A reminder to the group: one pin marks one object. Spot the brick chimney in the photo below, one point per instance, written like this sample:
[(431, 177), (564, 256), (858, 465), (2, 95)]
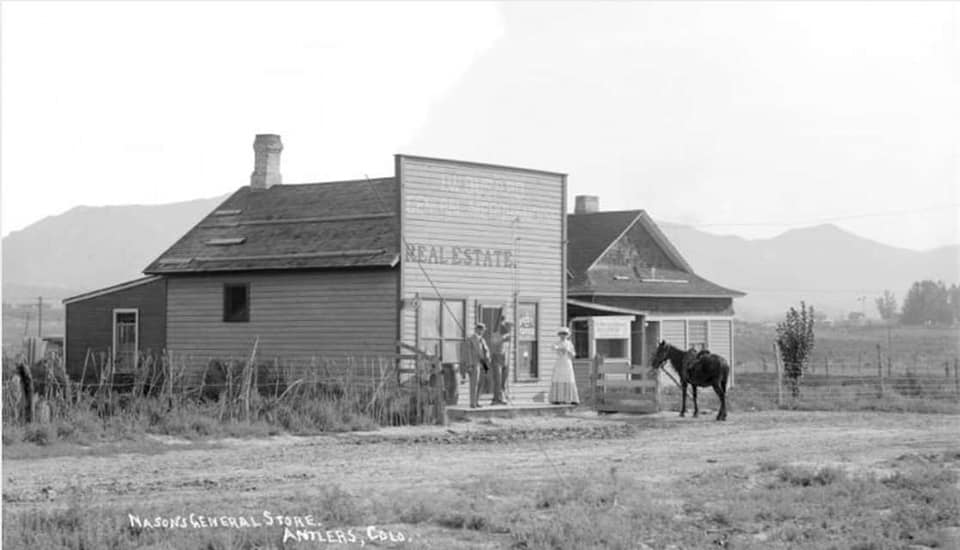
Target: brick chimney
[(266, 161), (587, 204)]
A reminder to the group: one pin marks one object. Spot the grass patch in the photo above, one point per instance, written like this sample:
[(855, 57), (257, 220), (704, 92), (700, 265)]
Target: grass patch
[(770, 506)]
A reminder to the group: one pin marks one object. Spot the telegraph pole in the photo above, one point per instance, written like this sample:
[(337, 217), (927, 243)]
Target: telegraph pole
[(39, 316)]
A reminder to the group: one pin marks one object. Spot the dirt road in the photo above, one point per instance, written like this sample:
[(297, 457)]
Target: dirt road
[(651, 448)]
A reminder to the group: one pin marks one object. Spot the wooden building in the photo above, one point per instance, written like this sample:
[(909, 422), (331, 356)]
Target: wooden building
[(350, 268), (119, 323), (631, 288)]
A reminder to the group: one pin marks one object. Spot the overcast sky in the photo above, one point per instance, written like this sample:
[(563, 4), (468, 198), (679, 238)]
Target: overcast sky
[(747, 118)]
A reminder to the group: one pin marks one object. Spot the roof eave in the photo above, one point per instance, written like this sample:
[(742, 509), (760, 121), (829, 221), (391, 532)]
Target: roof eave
[(650, 295)]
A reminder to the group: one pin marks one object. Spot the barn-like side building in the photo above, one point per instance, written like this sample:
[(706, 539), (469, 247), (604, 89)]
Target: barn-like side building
[(630, 288)]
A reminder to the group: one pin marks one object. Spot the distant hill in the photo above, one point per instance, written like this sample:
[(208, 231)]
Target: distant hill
[(823, 265), (90, 247)]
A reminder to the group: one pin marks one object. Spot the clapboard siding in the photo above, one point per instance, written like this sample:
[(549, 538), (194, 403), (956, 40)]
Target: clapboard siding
[(297, 316), (446, 204), (720, 342), (89, 323), (674, 332)]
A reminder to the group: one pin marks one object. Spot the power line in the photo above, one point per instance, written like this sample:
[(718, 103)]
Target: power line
[(823, 220)]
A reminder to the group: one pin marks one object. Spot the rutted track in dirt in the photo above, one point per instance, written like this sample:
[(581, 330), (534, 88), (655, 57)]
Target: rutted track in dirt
[(653, 449)]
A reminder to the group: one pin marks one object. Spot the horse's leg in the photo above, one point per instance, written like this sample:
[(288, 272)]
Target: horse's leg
[(722, 394), (683, 400), (696, 409), (723, 398)]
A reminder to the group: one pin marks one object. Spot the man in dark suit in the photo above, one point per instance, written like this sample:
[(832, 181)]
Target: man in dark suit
[(475, 356)]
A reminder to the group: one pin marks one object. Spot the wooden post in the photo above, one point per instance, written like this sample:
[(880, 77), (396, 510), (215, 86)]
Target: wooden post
[(880, 370), (657, 388), (776, 358), (593, 382), (826, 366), (946, 369), (889, 366), (418, 362), (26, 386), (956, 375), (859, 362)]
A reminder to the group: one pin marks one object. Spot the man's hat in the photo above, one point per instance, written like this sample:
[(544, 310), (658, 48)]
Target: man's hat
[(563, 330), (481, 326), (506, 322)]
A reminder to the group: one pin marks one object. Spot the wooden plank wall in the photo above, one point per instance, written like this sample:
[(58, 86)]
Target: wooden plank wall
[(455, 207), (298, 316), (89, 323)]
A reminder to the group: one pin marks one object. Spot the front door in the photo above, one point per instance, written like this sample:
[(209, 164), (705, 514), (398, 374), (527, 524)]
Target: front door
[(125, 339), (490, 316)]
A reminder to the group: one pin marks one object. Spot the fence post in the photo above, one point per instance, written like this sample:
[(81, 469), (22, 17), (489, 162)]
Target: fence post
[(593, 382), (880, 370), (657, 387), (859, 362), (776, 360), (826, 366), (956, 376)]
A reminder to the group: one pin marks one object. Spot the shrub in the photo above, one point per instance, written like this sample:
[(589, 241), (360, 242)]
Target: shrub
[(41, 434), (796, 340), (806, 477)]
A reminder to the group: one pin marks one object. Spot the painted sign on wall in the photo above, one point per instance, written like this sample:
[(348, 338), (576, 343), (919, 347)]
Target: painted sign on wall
[(461, 197), (459, 255)]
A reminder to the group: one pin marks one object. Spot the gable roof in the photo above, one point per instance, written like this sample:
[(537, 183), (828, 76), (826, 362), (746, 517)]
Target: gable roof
[(591, 235), (319, 225)]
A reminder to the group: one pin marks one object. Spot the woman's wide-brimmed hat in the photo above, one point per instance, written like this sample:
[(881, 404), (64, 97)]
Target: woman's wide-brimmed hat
[(563, 330)]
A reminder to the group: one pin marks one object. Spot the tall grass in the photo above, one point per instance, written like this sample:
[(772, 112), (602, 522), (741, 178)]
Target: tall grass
[(166, 396)]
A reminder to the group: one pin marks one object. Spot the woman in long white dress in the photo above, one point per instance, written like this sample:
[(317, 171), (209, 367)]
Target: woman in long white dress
[(563, 386)]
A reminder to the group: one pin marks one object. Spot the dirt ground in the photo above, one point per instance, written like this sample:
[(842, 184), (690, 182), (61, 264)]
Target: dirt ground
[(651, 448)]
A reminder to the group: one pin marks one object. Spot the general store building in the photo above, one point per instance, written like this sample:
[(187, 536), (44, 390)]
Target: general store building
[(327, 271)]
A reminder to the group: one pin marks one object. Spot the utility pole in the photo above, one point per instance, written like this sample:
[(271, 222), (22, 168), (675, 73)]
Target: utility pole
[(39, 316)]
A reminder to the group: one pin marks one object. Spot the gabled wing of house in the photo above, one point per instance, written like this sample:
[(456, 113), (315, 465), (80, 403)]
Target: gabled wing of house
[(307, 226), (624, 253)]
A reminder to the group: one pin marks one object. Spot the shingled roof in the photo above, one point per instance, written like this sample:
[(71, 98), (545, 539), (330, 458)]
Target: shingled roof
[(591, 234), (318, 225)]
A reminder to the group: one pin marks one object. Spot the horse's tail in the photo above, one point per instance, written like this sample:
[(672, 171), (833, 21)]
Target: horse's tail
[(725, 368)]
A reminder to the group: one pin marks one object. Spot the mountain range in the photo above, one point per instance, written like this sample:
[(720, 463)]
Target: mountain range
[(91, 247)]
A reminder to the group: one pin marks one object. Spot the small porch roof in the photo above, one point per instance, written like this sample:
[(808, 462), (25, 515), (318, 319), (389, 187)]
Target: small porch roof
[(591, 308)]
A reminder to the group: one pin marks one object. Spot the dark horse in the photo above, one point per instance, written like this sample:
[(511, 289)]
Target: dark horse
[(703, 369)]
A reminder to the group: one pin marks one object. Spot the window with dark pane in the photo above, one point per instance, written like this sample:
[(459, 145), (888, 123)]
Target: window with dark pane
[(236, 303)]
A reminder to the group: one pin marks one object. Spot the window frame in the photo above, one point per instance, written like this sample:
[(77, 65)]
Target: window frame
[(235, 318), (442, 338)]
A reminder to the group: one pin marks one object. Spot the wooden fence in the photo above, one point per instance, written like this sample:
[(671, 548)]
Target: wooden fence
[(618, 386)]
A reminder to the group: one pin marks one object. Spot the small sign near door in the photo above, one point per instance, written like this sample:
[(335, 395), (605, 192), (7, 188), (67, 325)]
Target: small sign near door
[(612, 327)]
